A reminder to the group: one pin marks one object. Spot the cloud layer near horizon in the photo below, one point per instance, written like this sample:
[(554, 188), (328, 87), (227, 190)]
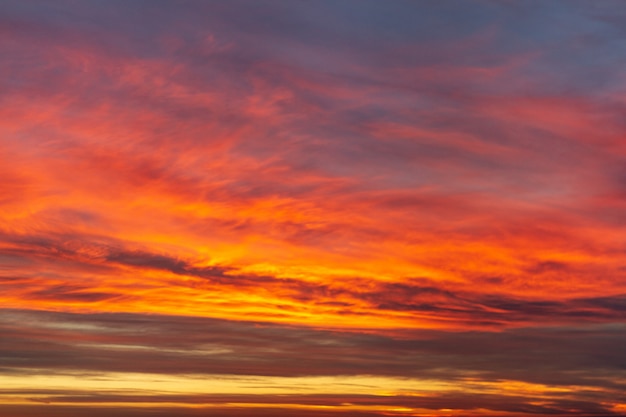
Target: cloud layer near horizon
[(126, 360), (365, 174)]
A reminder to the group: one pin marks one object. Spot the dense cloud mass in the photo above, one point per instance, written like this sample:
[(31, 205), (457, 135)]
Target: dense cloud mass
[(508, 371), (312, 208)]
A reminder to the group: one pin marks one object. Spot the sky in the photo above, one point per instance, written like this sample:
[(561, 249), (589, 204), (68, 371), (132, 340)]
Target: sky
[(326, 208)]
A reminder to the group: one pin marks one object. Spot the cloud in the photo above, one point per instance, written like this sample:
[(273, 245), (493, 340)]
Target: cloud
[(403, 190), (90, 271), (503, 371), (184, 345)]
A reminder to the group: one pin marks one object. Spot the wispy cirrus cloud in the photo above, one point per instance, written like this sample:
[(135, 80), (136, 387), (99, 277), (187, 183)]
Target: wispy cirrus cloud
[(408, 191)]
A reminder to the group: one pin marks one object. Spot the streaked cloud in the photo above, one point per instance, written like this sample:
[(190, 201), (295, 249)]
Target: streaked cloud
[(358, 207), (155, 360)]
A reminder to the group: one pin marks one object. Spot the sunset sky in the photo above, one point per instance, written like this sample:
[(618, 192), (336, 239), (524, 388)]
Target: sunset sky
[(312, 208)]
